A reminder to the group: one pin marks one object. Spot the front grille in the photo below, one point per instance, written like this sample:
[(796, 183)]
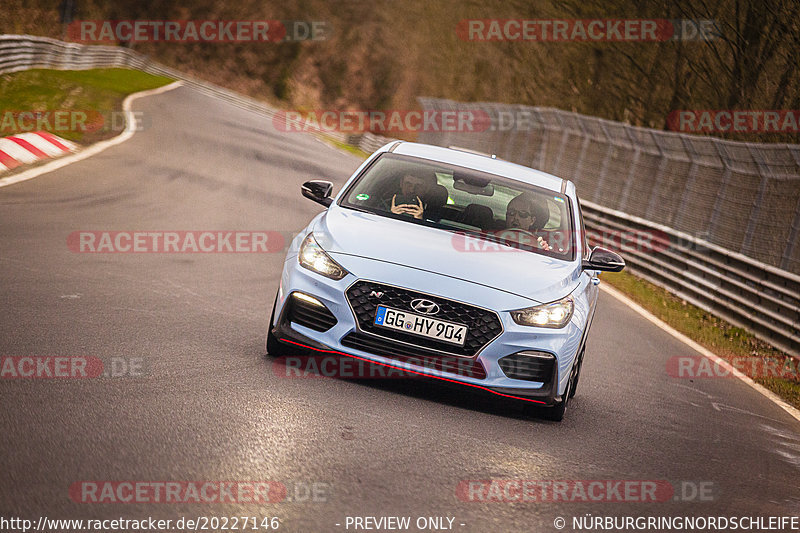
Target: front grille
[(318, 318), (414, 355), (527, 367), (483, 326)]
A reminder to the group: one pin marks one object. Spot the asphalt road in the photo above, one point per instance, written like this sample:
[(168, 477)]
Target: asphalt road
[(208, 404)]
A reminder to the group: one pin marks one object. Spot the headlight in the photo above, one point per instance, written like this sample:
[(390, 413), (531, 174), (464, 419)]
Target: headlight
[(313, 257), (552, 315)]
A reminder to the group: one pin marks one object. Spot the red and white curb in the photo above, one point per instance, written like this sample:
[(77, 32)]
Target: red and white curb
[(25, 148)]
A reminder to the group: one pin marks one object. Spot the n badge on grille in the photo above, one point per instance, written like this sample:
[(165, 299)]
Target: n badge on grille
[(376, 294)]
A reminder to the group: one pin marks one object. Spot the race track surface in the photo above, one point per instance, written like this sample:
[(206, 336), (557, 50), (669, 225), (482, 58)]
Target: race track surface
[(209, 405)]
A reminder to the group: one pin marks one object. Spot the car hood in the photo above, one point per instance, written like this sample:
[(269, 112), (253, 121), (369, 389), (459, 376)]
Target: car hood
[(346, 232)]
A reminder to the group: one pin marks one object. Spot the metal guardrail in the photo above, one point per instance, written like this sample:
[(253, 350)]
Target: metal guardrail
[(368, 142), (748, 293), (760, 298)]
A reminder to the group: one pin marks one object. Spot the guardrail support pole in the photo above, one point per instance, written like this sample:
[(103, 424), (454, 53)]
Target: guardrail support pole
[(626, 188), (662, 166), (604, 166), (794, 234), (691, 153), (747, 242)]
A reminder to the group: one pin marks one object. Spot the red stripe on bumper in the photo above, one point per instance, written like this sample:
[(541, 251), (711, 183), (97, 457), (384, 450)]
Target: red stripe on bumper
[(415, 372)]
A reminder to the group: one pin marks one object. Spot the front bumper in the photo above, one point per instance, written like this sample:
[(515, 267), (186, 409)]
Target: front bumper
[(563, 344)]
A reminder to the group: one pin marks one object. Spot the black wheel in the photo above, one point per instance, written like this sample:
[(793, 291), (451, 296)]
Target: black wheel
[(556, 413), (275, 348), (577, 373)]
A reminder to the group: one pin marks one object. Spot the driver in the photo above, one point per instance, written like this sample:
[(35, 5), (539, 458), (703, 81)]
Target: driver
[(527, 213), (408, 201)]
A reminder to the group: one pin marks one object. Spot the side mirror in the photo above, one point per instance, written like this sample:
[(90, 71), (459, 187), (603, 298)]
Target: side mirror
[(319, 191), (603, 259)]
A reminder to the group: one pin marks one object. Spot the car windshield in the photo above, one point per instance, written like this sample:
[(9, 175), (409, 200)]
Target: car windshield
[(489, 210)]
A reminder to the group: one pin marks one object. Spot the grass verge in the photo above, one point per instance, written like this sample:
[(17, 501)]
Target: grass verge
[(78, 105), (767, 366)]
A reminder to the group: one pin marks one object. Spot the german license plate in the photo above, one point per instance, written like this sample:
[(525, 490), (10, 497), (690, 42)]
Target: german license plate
[(420, 325)]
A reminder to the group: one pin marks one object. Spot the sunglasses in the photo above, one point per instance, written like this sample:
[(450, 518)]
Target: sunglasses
[(514, 213)]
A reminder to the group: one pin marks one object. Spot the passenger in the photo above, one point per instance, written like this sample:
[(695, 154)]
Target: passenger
[(528, 213)]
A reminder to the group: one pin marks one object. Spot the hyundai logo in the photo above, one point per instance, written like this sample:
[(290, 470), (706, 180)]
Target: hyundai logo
[(426, 307)]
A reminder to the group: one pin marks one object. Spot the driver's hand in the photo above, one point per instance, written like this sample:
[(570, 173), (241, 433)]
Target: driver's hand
[(543, 244)]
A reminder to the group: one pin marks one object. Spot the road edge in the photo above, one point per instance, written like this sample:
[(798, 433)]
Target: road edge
[(705, 352), (96, 148)]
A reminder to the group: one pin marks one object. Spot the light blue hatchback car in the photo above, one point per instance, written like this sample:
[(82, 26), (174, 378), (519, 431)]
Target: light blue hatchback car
[(447, 263)]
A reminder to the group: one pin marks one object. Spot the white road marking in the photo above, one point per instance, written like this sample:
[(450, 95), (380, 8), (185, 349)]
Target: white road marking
[(722, 363), (721, 406), (707, 395)]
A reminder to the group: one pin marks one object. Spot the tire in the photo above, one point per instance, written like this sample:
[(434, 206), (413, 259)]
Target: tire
[(556, 413), (574, 388), (275, 348)]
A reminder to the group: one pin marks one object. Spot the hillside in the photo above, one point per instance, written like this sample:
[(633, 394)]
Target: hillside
[(382, 54)]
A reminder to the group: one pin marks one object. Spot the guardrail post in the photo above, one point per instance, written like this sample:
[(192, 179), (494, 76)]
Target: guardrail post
[(678, 214), (512, 141), (794, 233), (584, 147), (763, 172), (526, 143), (564, 139), (545, 141), (447, 135), (662, 166), (626, 189), (719, 201), (604, 166)]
